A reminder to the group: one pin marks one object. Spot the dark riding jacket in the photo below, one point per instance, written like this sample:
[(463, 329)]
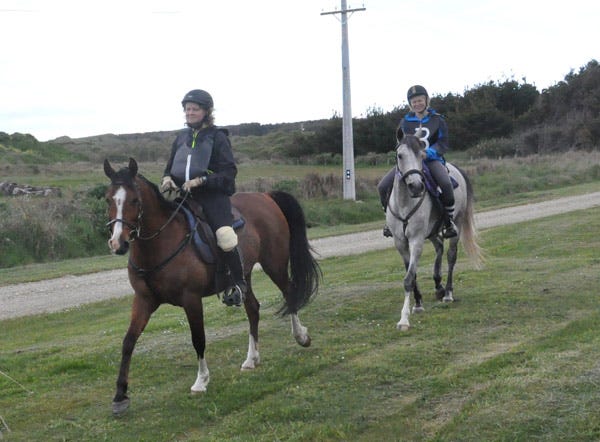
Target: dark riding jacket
[(205, 152), (436, 132)]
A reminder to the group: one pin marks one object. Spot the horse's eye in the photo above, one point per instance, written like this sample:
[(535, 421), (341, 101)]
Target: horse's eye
[(399, 156), (135, 201)]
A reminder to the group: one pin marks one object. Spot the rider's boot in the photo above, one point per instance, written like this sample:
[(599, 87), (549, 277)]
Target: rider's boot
[(386, 229), (236, 294), (449, 230)]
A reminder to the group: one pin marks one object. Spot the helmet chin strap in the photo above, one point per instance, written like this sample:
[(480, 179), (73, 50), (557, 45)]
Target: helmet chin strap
[(198, 125)]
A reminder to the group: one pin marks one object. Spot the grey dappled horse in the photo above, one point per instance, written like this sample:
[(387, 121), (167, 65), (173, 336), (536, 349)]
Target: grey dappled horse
[(413, 216)]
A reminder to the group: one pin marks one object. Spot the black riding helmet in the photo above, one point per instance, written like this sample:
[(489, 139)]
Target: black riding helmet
[(200, 97), (415, 90)]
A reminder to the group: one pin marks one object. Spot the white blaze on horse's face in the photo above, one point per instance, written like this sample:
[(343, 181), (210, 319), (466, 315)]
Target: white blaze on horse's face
[(409, 165), (117, 230)]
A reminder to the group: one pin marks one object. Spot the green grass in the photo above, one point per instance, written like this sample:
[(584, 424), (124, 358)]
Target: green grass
[(515, 358)]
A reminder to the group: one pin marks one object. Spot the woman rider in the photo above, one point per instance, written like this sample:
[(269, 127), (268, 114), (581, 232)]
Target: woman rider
[(433, 131), (202, 163)]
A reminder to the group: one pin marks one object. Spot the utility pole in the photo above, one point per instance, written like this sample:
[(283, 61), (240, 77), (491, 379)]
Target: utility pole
[(347, 137)]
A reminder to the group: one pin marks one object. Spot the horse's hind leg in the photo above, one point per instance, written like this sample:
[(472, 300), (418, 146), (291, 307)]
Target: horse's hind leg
[(141, 311), (195, 316), (418, 307), (451, 256), (252, 311), (440, 290), (280, 278)]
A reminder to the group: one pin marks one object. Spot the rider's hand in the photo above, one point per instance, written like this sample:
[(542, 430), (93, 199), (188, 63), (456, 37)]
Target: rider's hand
[(190, 184), (167, 184)]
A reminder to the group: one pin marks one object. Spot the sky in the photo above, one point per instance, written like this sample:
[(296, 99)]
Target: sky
[(81, 68)]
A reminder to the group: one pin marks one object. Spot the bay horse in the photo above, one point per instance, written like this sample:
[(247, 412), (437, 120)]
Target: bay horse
[(414, 215), (164, 267)]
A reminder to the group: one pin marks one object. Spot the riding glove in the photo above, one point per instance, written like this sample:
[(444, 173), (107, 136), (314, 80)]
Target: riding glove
[(167, 184), (432, 154), (190, 184)]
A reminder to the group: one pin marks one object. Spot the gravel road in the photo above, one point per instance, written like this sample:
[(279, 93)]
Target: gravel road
[(70, 291)]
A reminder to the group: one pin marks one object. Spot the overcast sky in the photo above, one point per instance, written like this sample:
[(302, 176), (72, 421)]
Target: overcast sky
[(82, 68)]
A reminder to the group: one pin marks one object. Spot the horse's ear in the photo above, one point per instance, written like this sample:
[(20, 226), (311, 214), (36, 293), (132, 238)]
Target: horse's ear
[(399, 133), (108, 170), (133, 167)]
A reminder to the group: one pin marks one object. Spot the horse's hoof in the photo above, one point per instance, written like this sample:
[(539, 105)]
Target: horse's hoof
[(304, 342), (447, 299), (120, 407), (418, 309), (403, 327)]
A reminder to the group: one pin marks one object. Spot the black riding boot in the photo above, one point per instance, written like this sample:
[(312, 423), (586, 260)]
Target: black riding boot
[(449, 227), (235, 294)]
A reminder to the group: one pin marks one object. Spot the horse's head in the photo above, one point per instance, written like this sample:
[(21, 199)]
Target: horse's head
[(409, 164), (124, 206)]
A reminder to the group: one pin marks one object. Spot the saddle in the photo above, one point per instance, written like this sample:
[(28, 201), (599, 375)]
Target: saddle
[(203, 237), (205, 242), (432, 186)]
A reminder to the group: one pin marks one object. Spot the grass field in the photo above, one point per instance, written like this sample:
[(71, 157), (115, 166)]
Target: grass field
[(514, 359)]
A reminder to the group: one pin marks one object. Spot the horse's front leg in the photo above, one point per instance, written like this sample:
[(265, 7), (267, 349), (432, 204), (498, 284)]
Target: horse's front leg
[(252, 311), (410, 256), (195, 316), (141, 311)]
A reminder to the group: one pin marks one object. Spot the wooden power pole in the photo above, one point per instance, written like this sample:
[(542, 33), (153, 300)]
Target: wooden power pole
[(348, 141)]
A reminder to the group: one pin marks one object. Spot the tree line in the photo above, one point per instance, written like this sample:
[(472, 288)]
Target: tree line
[(562, 117)]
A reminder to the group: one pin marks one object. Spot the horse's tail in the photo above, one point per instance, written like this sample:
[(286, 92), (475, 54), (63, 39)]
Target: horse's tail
[(305, 272), (468, 230)]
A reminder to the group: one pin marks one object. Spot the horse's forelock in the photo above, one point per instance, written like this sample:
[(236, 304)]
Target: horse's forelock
[(413, 143), (122, 177)]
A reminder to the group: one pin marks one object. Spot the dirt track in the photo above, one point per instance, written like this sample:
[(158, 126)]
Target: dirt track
[(70, 291)]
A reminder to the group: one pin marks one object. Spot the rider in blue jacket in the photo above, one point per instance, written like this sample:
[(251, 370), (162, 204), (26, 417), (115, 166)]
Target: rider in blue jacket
[(434, 133), (202, 163)]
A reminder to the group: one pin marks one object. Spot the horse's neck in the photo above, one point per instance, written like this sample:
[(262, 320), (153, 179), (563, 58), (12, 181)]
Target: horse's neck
[(153, 215), (401, 195)]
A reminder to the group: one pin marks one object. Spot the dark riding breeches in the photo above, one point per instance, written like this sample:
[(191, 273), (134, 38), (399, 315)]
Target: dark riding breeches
[(439, 172), (217, 209), (385, 187)]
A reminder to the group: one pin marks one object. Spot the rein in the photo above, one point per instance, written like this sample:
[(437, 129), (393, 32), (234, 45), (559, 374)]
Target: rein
[(173, 215)]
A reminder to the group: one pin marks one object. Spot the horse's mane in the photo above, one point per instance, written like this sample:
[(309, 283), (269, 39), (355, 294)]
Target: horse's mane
[(165, 203), (124, 177)]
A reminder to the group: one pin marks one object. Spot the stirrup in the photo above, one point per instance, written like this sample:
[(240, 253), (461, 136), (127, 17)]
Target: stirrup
[(234, 295), (387, 232), (449, 231)]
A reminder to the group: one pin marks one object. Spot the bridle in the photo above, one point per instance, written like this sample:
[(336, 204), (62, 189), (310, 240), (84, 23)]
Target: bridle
[(135, 229), (403, 177)]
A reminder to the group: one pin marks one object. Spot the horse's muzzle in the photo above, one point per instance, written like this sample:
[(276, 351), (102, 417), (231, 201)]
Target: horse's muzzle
[(416, 189), (118, 247)]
